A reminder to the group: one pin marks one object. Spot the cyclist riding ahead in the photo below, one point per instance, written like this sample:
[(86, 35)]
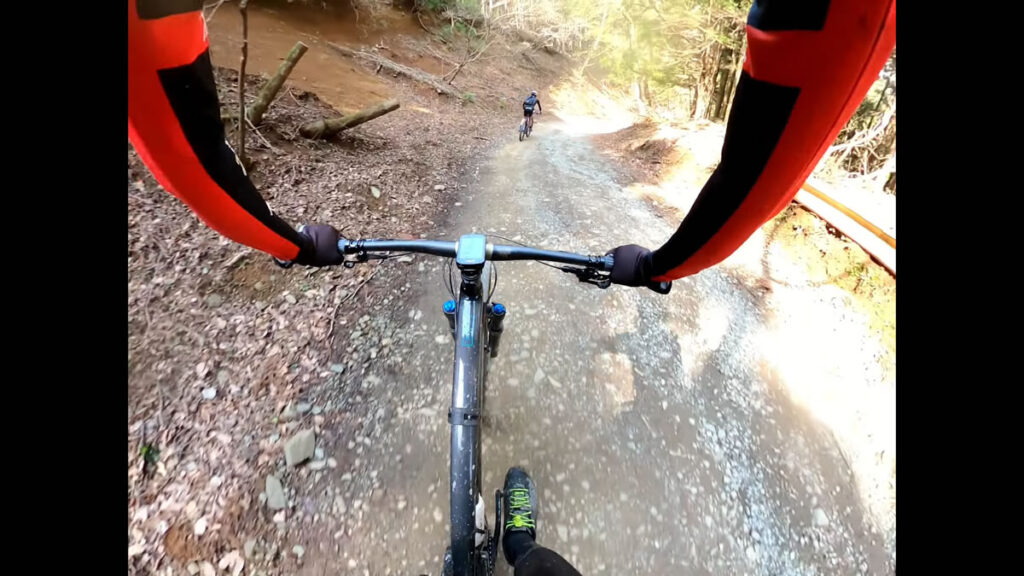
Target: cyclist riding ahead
[(807, 67), (528, 105)]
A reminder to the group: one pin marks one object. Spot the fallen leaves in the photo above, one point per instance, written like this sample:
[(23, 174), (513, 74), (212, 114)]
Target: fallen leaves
[(220, 338)]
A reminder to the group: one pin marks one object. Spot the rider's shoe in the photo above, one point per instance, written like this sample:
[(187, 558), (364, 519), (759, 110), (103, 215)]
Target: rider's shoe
[(520, 511)]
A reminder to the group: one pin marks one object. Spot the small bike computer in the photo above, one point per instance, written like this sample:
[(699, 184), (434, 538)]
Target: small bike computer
[(471, 251)]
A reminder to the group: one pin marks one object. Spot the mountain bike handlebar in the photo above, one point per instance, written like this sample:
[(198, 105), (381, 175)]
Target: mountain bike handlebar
[(494, 251), (588, 268)]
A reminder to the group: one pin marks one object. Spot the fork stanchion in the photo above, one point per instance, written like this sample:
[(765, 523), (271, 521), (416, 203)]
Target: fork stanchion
[(495, 325), (449, 313)]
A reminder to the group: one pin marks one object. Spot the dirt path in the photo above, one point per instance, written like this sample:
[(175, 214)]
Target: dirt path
[(667, 435)]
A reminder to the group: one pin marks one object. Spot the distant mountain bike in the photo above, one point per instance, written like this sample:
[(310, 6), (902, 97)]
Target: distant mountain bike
[(476, 325), (526, 127)]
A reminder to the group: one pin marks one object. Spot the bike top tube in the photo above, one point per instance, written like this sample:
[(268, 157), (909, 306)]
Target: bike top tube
[(494, 251)]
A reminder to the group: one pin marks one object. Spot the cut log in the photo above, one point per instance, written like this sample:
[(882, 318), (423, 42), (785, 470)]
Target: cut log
[(269, 92), (414, 73), (328, 127)]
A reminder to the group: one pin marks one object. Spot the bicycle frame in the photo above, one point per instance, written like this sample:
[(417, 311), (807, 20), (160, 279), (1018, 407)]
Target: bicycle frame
[(476, 325), (468, 375)]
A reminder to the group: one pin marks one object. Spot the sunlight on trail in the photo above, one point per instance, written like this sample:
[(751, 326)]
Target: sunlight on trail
[(585, 125), (586, 110), (834, 374)]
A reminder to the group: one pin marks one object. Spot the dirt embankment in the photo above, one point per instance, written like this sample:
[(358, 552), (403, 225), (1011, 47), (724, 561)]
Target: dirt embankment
[(226, 350)]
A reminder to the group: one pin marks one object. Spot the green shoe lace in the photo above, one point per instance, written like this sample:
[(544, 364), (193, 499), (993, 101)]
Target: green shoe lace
[(519, 509)]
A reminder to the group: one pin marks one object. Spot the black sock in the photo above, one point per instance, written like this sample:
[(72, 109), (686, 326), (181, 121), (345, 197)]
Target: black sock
[(516, 544)]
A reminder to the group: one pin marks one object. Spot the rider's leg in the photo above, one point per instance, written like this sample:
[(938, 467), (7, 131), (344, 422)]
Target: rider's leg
[(519, 541), (540, 561)]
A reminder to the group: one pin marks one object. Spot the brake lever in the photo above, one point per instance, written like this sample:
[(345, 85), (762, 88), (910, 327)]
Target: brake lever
[(589, 276), (362, 256)]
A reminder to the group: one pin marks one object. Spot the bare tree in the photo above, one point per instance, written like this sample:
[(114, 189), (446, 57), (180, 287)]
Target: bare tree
[(241, 80)]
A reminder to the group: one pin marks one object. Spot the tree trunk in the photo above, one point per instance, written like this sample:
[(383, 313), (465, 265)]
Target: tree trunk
[(241, 81), (728, 62), (645, 91), (641, 109), (737, 72), (727, 92), (414, 73), (594, 47), (637, 95), (701, 107), (721, 85), (326, 128), (269, 92)]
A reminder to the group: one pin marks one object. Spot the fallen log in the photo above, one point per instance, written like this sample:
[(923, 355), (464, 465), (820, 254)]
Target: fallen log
[(415, 74), (325, 128), (269, 92), (536, 41), (529, 37)]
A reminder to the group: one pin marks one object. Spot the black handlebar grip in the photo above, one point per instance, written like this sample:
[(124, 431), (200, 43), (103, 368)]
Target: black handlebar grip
[(660, 287)]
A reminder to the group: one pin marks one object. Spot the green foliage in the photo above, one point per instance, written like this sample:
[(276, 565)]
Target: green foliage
[(658, 43), (149, 454), (469, 97)]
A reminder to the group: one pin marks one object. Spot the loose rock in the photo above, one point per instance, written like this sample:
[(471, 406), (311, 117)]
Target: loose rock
[(820, 519), (299, 447), (289, 413), (275, 494)]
